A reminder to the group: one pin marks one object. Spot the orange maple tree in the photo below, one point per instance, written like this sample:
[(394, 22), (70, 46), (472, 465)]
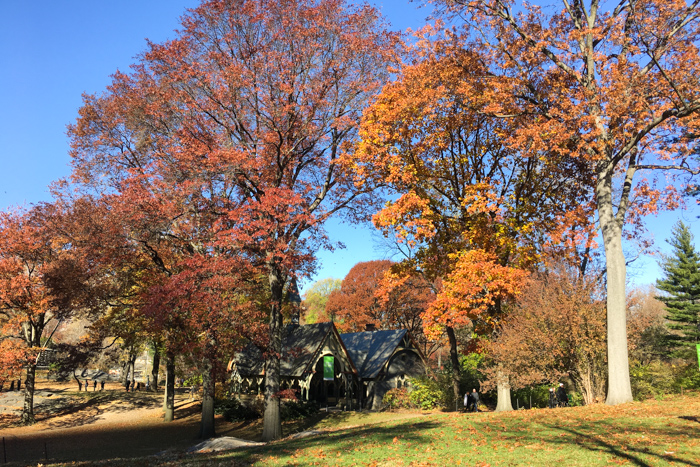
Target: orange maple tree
[(615, 89), (466, 200)]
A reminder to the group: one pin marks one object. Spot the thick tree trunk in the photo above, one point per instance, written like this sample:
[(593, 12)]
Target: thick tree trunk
[(169, 398), (456, 368), (28, 410), (503, 390), (272, 425), (207, 428), (156, 366), (619, 386)]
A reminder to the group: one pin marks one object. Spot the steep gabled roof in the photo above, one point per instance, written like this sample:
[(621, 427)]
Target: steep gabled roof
[(299, 345), (370, 350)]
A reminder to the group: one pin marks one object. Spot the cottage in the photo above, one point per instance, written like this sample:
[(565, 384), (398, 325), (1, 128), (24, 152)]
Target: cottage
[(352, 371)]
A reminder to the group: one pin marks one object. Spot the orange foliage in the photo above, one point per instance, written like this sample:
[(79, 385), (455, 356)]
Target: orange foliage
[(476, 286), (556, 329)]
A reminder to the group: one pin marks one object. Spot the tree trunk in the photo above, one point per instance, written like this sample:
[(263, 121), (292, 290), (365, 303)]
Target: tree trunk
[(503, 389), (28, 410), (127, 367), (156, 366), (272, 425), (619, 386), (207, 428), (169, 398), (456, 368), (132, 365), (80, 385)]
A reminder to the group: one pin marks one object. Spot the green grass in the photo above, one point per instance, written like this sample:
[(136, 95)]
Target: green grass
[(651, 433)]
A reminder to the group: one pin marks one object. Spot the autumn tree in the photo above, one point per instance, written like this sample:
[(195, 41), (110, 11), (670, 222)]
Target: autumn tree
[(681, 285), (646, 326), (315, 299), (42, 283), (364, 298), (556, 330), (613, 89), (465, 198), (228, 139)]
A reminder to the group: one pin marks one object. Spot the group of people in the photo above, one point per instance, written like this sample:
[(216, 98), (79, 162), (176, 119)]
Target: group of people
[(136, 385), (471, 401), (558, 397), (94, 385)]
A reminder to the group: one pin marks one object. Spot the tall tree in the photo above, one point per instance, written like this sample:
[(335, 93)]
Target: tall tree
[(235, 130), (613, 89), (459, 186), (682, 292)]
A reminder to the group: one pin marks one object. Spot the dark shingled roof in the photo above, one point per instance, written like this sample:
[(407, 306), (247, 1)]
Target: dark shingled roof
[(370, 350), (299, 345)]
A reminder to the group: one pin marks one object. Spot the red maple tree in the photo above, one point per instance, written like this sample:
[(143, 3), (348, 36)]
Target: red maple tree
[(234, 131)]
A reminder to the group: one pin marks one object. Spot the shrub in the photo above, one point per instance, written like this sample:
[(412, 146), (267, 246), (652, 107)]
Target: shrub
[(397, 398), (428, 393), (235, 411), (297, 409), (651, 380)]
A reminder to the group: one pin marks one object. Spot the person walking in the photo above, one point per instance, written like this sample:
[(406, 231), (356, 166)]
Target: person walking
[(467, 401), (94, 385), (102, 385), (127, 384), (562, 397), (552, 398), (475, 400)]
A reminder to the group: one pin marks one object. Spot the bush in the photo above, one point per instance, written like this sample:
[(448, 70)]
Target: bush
[(296, 409), (651, 380), (397, 399), (429, 394), (234, 411)]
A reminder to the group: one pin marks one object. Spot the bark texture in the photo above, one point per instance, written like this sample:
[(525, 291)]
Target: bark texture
[(169, 399), (504, 403), (619, 386), (207, 428), (272, 424), (456, 368)]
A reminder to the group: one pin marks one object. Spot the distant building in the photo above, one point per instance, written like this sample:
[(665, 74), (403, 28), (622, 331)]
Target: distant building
[(349, 370)]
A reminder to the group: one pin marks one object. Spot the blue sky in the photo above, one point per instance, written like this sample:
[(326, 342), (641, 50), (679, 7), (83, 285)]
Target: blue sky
[(53, 51)]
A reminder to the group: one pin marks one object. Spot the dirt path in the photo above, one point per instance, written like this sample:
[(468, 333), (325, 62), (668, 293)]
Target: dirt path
[(112, 424)]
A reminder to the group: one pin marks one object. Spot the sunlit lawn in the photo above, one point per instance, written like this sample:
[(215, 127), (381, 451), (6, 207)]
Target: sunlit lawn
[(661, 432)]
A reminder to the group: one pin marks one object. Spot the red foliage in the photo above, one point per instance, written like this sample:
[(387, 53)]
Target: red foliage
[(366, 297)]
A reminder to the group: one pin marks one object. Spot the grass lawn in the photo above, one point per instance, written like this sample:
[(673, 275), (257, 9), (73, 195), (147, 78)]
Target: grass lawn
[(651, 433)]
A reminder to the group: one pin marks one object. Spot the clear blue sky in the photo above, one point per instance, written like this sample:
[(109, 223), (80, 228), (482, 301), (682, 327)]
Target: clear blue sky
[(53, 51)]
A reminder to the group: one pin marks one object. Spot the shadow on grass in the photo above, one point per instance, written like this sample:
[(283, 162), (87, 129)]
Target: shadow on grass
[(632, 454), (336, 443), (631, 440)]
